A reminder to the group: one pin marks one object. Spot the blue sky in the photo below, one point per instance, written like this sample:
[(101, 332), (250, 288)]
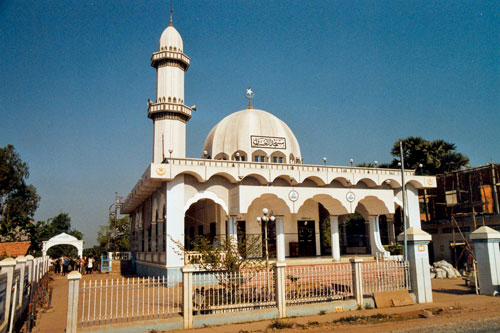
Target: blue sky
[(348, 77)]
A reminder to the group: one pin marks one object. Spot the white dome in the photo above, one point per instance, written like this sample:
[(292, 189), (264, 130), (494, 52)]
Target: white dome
[(253, 131), (171, 38)]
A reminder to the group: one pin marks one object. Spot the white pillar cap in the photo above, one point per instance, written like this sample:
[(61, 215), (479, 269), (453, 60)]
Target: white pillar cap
[(414, 234), (21, 259), (74, 275), (8, 262), (485, 232)]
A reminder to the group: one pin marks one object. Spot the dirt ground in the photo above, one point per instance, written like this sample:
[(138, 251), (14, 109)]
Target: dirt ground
[(454, 303)]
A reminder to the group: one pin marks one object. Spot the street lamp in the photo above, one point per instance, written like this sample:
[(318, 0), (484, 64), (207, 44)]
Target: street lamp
[(375, 163), (351, 161), (263, 220), (324, 160)]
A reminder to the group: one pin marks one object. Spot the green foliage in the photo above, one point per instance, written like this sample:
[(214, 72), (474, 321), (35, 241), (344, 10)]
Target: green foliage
[(436, 157), (394, 249), (114, 237), (18, 200), (322, 312)]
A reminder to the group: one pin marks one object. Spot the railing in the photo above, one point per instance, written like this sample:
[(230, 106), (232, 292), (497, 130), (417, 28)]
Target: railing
[(382, 276), (233, 291), (19, 280), (128, 299), (198, 292), (318, 283), (193, 257)]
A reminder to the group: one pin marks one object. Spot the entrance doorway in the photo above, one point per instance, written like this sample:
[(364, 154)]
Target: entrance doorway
[(271, 239), (307, 238)]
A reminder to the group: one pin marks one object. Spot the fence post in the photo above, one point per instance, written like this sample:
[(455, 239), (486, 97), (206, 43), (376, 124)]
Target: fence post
[(29, 265), (72, 314), (357, 281), (280, 288), (187, 295), (21, 260), (7, 265), (487, 255), (418, 259)]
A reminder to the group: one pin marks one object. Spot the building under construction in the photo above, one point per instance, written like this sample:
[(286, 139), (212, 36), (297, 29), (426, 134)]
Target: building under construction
[(463, 201)]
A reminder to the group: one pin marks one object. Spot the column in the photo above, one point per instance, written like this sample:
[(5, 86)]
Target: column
[(153, 236), (21, 260), (232, 230), (187, 296), (357, 282), (145, 239), (72, 312), (418, 259), (160, 235), (175, 221), (280, 288), (334, 237), (376, 246), (487, 254), (8, 266), (280, 238), (390, 229)]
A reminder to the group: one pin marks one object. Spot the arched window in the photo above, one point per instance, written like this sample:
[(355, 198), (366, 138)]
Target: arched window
[(221, 156), (278, 157), (259, 156), (239, 156)]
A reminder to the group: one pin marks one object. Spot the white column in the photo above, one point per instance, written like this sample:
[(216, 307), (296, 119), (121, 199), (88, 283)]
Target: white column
[(175, 221), (8, 265), (413, 206), (232, 231), (487, 255), (72, 312), (418, 259), (375, 242), (334, 237), (153, 237), (21, 260), (160, 236), (280, 238)]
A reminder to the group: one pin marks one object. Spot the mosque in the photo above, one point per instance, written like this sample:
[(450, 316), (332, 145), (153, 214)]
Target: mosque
[(313, 211)]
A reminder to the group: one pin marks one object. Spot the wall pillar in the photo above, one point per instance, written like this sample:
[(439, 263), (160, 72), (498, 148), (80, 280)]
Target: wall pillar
[(21, 260), (232, 229), (72, 313), (175, 222), (160, 235), (357, 282), (280, 238), (153, 237), (334, 239), (487, 254), (7, 265), (187, 295), (418, 258), (280, 288), (390, 229), (376, 246)]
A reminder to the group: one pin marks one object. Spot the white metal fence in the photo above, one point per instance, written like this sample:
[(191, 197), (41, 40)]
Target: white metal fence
[(384, 276), (199, 292), (127, 299), (318, 283), (216, 292)]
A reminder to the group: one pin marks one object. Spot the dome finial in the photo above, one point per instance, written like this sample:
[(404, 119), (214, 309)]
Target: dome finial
[(249, 94), (171, 11)]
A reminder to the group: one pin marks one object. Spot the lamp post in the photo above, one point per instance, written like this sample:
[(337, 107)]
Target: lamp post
[(351, 161), (403, 189), (263, 220), (324, 160)]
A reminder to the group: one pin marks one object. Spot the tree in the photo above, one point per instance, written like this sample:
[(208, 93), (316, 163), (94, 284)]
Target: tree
[(436, 157), (114, 237), (18, 200)]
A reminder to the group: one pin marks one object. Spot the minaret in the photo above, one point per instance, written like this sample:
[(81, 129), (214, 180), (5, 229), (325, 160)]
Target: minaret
[(168, 112)]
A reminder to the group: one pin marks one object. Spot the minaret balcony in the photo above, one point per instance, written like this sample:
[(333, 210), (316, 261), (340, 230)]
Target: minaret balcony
[(164, 56), (169, 108)]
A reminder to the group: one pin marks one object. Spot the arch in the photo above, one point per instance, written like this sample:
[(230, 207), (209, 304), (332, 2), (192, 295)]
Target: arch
[(272, 202), (331, 204), (63, 238), (367, 181), (261, 179), (227, 176), (194, 174), (393, 183), (342, 180), (317, 180), (281, 178), (206, 195), (373, 206), (239, 155), (415, 183), (277, 157), (291, 158), (259, 156), (221, 156)]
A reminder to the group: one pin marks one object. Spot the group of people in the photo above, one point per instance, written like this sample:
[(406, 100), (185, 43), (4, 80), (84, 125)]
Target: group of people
[(64, 265)]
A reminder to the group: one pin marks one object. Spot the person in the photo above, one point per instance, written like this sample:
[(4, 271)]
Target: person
[(90, 265), (65, 265), (82, 265), (57, 266)]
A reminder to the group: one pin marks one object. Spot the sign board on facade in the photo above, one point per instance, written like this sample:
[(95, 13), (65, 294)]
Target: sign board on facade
[(267, 142)]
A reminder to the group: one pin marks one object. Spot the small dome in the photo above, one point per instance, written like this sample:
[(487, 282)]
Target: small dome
[(171, 40), (252, 135)]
